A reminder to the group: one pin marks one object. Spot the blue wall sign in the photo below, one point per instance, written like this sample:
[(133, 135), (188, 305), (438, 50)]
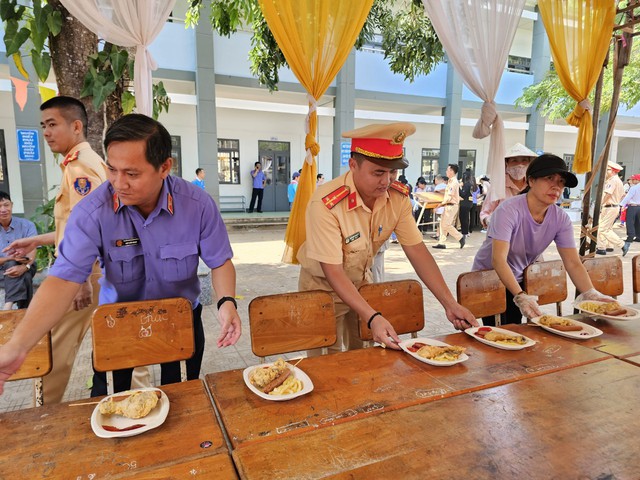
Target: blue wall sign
[(28, 145), (345, 153)]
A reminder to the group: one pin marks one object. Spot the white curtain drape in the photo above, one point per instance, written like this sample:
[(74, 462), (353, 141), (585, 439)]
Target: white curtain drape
[(477, 36), (127, 23)]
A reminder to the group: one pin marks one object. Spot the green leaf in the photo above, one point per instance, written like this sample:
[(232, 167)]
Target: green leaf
[(8, 10), (54, 22), (87, 85), (39, 33), (41, 64), (119, 59), (128, 102), (101, 90), (14, 38)]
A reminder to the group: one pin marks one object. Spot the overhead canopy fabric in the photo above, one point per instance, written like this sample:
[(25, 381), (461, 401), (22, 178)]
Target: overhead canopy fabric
[(579, 34), (315, 37), (477, 36), (127, 23)]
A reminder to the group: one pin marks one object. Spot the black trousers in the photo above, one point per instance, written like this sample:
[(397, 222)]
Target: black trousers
[(511, 315), (465, 216), (170, 371), (633, 223), (474, 217), (19, 289), (256, 194)]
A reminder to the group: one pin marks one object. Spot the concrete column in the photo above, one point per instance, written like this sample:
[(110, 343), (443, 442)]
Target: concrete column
[(345, 105), (540, 63), (33, 174), (450, 133), (206, 107)]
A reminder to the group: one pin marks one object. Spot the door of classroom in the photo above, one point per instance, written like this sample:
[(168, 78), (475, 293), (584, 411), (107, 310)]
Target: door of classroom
[(275, 158), (4, 178)]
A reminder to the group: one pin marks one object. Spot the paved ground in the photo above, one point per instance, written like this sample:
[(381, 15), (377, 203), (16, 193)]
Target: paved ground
[(258, 252)]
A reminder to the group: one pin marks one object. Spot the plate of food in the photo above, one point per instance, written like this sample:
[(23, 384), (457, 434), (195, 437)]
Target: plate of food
[(500, 338), (608, 310), (277, 381), (567, 327), (130, 413), (434, 352)]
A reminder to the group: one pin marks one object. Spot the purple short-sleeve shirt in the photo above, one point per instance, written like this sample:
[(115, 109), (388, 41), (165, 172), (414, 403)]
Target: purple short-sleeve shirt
[(144, 259), (512, 222)]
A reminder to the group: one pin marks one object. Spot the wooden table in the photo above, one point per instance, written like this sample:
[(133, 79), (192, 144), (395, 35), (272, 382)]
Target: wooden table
[(576, 423), (620, 339), (56, 441), (635, 360), (359, 383)]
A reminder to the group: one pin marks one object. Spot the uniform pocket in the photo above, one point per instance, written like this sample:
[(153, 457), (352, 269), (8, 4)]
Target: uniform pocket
[(128, 264), (179, 262)]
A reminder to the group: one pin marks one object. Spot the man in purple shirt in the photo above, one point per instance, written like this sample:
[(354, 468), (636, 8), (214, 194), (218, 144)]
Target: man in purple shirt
[(259, 179), (148, 230)]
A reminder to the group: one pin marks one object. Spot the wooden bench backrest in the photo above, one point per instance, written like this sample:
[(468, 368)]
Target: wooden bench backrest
[(135, 334), (38, 361), (290, 322), (635, 275), (547, 280), (605, 274), (400, 302), (482, 293)]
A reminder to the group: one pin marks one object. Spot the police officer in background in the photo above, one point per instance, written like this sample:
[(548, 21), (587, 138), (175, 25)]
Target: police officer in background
[(611, 198), (347, 221), (64, 127)]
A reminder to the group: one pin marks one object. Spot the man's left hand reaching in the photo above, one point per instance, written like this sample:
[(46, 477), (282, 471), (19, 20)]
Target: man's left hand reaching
[(231, 325)]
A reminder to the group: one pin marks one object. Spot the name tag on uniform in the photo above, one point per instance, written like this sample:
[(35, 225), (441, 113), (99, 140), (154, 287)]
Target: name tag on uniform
[(127, 242), (352, 238)]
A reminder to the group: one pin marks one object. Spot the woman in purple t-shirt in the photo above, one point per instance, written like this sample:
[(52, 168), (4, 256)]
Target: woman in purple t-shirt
[(522, 228)]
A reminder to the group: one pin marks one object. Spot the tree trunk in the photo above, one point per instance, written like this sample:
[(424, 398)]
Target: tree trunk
[(69, 53)]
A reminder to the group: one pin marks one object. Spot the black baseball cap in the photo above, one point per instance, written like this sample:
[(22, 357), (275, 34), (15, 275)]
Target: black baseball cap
[(548, 164)]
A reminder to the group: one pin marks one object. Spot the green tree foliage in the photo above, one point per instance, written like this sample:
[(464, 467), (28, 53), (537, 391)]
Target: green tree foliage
[(553, 102), (27, 29), (401, 27)]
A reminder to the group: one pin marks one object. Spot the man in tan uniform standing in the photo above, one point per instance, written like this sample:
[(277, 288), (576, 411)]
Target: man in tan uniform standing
[(64, 125), (451, 204), (610, 208), (347, 221)]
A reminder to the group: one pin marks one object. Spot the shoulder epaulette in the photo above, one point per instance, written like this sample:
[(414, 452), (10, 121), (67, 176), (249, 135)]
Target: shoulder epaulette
[(71, 157), (335, 197), (401, 187)]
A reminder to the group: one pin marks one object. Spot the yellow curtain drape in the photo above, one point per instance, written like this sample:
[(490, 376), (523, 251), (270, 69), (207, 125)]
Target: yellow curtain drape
[(315, 37), (579, 33)]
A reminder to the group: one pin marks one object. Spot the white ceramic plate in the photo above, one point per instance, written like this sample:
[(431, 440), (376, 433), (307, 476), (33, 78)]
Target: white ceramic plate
[(587, 330), (472, 333), (428, 341), (632, 313), (307, 384), (156, 417)]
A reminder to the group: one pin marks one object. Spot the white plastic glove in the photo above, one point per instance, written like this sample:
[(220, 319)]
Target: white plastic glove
[(594, 295), (528, 305)]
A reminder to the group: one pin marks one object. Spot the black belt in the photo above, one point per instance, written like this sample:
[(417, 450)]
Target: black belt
[(610, 205), (447, 204), (633, 205)]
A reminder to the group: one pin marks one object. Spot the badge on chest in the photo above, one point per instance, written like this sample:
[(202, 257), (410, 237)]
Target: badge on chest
[(351, 238), (127, 242)]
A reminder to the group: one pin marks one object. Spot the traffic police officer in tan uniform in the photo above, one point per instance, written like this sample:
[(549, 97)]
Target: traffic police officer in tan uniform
[(451, 204), (611, 198), (347, 221), (64, 124)]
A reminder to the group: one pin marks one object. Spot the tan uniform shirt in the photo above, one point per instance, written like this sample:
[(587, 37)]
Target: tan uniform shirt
[(613, 191), (350, 233), (82, 171), (452, 192)]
